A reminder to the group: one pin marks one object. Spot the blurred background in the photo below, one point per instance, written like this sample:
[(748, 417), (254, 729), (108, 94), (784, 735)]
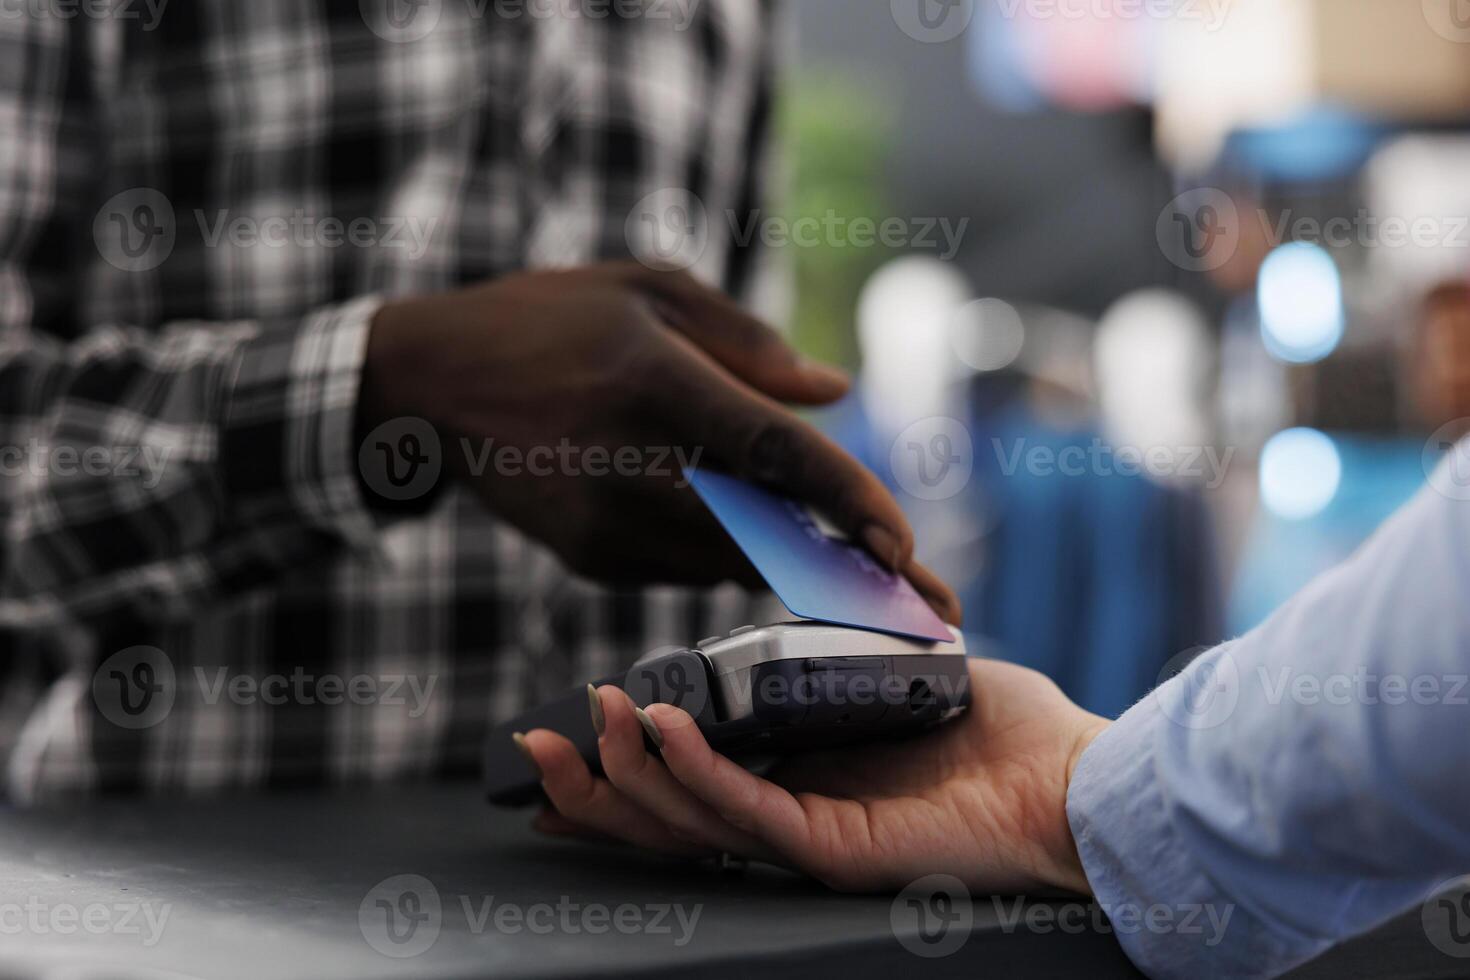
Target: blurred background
[(1167, 309)]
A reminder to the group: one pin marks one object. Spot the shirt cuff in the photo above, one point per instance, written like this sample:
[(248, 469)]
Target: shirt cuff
[(287, 443), (1171, 919)]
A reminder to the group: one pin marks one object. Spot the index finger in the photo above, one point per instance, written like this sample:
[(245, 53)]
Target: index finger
[(742, 344)]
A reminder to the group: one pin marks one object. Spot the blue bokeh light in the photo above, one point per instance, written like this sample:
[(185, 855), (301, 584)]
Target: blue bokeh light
[(1299, 294), (1301, 470)]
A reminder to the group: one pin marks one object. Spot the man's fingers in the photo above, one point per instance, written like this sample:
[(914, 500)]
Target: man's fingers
[(594, 803), (939, 596), (743, 345), (743, 432)]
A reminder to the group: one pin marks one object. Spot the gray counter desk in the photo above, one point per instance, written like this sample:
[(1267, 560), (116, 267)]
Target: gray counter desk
[(294, 886)]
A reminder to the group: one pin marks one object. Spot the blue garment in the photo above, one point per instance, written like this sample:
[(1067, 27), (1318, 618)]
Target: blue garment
[(1286, 782), (1097, 578)]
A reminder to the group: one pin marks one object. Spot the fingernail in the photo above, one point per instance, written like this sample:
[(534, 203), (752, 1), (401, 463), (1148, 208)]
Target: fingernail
[(882, 544), (948, 607), (654, 735), (520, 741), (594, 702)]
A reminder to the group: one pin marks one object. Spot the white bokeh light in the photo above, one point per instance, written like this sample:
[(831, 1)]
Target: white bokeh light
[(1151, 362), (988, 334), (1300, 473), (1299, 293), (905, 316)]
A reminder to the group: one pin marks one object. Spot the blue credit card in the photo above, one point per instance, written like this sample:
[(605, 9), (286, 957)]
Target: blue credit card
[(813, 570)]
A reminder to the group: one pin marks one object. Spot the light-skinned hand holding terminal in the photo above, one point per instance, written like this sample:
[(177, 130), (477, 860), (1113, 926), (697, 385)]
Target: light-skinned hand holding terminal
[(1306, 819), (984, 797)]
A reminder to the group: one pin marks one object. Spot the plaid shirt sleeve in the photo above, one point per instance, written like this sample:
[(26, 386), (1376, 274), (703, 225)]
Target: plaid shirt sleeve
[(149, 472)]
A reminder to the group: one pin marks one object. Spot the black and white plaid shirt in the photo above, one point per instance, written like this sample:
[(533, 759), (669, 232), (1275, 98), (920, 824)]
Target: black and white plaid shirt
[(202, 203)]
